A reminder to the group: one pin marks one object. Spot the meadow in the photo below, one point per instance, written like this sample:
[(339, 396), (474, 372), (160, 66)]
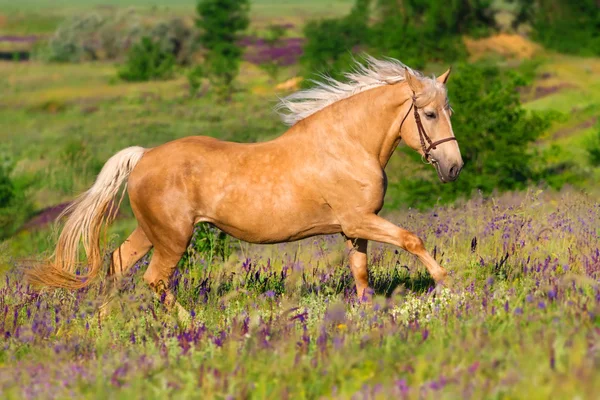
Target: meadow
[(519, 318)]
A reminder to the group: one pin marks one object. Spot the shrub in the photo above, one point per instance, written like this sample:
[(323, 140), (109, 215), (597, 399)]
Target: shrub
[(414, 31), (329, 42), (194, 77), (109, 37), (221, 22), (564, 25), (177, 38), (271, 59), (7, 190), (593, 147), (14, 206), (146, 61)]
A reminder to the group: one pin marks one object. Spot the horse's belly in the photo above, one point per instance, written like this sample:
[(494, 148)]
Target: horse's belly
[(276, 233), (267, 219)]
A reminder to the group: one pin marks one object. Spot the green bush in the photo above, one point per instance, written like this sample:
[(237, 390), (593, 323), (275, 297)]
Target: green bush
[(272, 37), (7, 190), (414, 31), (329, 42), (14, 206), (495, 135), (568, 26), (147, 60), (593, 148), (207, 243), (423, 31), (220, 23)]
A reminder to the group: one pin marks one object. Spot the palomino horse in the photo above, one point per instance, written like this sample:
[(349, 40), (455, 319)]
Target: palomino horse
[(325, 175)]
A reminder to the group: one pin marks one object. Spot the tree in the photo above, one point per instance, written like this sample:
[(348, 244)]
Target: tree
[(220, 23), (414, 31), (564, 25), (272, 58), (330, 42), (147, 61)]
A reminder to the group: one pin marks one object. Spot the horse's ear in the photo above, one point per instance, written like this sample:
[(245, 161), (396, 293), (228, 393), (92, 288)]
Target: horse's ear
[(413, 82), (443, 78)]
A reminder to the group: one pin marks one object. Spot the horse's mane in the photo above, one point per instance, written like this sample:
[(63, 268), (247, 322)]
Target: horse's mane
[(373, 73)]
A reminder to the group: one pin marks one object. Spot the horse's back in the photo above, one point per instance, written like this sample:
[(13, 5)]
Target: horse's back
[(256, 192)]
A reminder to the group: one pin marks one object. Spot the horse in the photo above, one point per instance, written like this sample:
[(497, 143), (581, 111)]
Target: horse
[(324, 175)]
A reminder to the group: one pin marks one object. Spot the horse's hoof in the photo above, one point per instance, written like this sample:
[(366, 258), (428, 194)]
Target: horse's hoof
[(104, 310), (367, 296), (183, 315)]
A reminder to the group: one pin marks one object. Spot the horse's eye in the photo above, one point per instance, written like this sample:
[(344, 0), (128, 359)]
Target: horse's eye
[(430, 114)]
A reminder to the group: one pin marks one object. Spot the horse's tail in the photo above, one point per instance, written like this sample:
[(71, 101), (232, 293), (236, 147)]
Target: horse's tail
[(86, 216)]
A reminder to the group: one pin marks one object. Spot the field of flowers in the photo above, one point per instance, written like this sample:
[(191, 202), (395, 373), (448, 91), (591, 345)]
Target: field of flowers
[(520, 319)]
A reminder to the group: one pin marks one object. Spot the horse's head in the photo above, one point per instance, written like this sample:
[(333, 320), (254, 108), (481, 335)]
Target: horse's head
[(427, 128)]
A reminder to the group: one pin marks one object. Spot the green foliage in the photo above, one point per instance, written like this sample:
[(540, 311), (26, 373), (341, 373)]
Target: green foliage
[(15, 208), (422, 31), (494, 133), (220, 23), (147, 61), (556, 168), (194, 77), (567, 26), (414, 31), (593, 147), (272, 37), (208, 243), (7, 190), (329, 42)]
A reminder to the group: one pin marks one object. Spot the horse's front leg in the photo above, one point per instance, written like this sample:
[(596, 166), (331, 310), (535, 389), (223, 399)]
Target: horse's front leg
[(373, 227), (358, 265)]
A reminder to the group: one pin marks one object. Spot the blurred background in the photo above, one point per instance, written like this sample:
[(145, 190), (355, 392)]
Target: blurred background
[(82, 79)]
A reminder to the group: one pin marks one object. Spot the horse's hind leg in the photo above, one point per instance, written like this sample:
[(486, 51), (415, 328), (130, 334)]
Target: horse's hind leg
[(358, 266), (158, 275), (131, 251), (170, 243)]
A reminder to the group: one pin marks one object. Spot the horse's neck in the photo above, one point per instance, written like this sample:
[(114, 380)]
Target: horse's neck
[(370, 120), (376, 116)]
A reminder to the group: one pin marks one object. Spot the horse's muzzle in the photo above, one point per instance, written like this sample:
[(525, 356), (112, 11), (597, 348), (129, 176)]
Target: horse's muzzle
[(450, 173)]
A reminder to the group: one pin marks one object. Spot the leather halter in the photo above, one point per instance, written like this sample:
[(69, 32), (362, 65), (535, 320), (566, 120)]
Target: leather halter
[(423, 137)]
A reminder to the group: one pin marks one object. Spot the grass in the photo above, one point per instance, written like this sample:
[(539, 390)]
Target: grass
[(519, 321)]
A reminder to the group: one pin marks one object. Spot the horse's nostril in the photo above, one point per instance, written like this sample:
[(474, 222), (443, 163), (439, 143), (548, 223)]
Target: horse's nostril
[(453, 171)]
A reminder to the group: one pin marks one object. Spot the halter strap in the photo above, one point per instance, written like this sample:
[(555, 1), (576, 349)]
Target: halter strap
[(423, 137)]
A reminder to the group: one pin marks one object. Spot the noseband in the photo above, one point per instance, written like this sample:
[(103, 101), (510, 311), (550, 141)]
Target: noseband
[(423, 137)]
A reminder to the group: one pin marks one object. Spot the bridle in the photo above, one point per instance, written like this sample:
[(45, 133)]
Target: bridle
[(423, 137)]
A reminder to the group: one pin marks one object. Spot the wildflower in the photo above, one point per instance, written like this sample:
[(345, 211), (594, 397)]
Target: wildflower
[(518, 311), (541, 305)]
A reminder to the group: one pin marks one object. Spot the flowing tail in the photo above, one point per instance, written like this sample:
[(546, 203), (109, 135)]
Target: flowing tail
[(86, 216)]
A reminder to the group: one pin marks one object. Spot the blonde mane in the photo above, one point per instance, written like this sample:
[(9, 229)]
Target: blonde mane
[(373, 73)]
